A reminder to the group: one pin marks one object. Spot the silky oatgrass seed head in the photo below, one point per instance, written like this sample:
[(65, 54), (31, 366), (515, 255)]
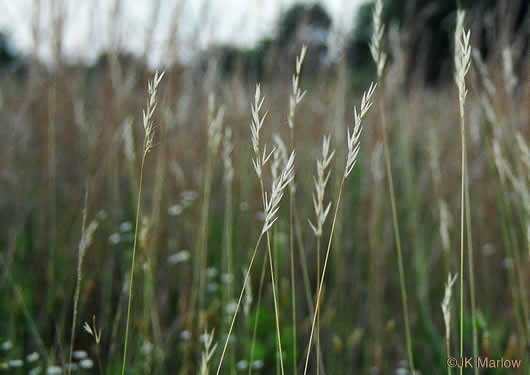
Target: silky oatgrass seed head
[(320, 182), (272, 203), (462, 57), (297, 94), (354, 137), (149, 125), (378, 55), (446, 304), (256, 123)]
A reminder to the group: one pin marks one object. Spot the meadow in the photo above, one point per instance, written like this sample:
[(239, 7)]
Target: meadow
[(317, 221)]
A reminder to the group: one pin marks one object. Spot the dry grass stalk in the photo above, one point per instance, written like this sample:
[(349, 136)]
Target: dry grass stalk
[(87, 234), (462, 65), (353, 151), (150, 130), (271, 207), (296, 97), (321, 213)]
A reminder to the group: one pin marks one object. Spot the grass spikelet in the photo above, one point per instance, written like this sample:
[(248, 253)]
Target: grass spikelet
[(208, 352), (446, 311), (377, 36)]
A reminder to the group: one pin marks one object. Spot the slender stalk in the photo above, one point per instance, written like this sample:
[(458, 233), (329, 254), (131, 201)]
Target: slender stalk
[(397, 236), (462, 203), (291, 251), (471, 278), (293, 279), (273, 282), (138, 207), (317, 305), (351, 160), (239, 302), (214, 136), (228, 248), (256, 320), (149, 128), (296, 97), (307, 287), (380, 57), (318, 314), (462, 65), (203, 235), (77, 287)]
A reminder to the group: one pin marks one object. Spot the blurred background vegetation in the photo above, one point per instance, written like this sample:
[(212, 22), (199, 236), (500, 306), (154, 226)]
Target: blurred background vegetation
[(68, 128)]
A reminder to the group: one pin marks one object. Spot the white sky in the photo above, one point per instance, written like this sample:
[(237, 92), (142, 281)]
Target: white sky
[(90, 25)]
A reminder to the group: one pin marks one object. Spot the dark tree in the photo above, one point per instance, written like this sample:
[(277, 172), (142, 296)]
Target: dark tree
[(427, 28), (7, 53)]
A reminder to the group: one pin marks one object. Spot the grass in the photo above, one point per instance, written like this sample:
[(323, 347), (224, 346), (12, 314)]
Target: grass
[(255, 258)]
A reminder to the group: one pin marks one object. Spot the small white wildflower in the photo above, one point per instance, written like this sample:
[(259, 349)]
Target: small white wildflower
[(126, 226), (15, 363), (212, 287), (32, 357), (147, 348), (115, 238), (101, 215), (211, 272), (7, 345), (242, 365), (227, 278), (205, 337), (35, 371), (54, 370), (189, 195), (258, 364), (175, 210), (180, 257), (185, 335), (80, 354), (86, 363), (231, 307), (70, 366)]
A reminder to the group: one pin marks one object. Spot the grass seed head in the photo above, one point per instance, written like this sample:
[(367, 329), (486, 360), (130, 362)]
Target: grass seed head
[(354, 137)]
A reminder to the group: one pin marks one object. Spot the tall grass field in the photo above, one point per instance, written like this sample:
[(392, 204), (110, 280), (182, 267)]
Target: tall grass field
[(320, 207)]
